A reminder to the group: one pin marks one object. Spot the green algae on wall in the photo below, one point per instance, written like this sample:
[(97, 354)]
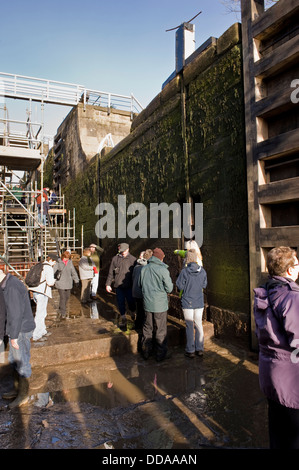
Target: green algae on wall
[(216, 142), (151, 166), (82, 193)]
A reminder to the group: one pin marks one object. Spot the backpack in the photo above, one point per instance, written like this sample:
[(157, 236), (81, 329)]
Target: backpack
[(34, 274)]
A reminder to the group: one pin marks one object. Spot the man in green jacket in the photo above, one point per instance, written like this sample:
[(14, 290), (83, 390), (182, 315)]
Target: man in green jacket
[(156, 283)]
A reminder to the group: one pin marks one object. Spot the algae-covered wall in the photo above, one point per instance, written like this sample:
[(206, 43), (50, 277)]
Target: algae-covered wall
[(216, 147), (188, 143), (82, 193)]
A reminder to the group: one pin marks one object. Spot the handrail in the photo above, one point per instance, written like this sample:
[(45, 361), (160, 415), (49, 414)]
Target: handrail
[(63, 93), (11, 267), (25, 138), (23, 207)]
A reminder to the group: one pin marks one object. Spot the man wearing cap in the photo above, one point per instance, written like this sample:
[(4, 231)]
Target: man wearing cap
[(156, 283), (120, 273), (41, 295)]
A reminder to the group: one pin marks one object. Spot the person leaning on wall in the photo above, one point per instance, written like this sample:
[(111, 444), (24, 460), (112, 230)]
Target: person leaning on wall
[(276, 312)]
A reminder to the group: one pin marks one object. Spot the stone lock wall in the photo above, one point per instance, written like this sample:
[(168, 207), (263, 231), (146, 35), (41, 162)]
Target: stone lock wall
[(189, 141)]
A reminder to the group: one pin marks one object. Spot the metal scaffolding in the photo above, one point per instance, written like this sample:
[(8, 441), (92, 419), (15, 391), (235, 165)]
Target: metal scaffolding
[(27, 234)]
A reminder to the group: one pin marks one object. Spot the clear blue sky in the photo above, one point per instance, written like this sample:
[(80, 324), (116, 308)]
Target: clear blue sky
[(117, 46)]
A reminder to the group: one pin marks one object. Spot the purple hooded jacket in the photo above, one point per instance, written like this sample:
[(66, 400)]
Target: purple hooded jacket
[(276, 312)]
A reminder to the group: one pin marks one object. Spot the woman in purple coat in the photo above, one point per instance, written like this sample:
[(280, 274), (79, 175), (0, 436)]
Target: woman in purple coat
[(276, 311)]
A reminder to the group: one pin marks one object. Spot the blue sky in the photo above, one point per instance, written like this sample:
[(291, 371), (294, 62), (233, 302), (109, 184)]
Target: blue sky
[(119, 46)]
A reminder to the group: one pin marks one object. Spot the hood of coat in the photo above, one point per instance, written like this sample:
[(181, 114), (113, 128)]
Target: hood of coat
[(141, 261), (193, 268), (270, 293)]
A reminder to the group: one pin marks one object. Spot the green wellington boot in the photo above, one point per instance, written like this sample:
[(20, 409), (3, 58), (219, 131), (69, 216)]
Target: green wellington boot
[(13, 393), (23, 394)]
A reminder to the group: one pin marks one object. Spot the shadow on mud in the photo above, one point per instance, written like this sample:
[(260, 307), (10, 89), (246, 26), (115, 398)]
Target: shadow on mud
[(125, 402)]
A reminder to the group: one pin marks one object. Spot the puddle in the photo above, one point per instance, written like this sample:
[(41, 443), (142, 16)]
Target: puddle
[(137, 384)]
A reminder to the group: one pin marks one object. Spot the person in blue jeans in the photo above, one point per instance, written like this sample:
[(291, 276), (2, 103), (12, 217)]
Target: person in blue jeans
[(120, 274), (19, 328), (191, 281)]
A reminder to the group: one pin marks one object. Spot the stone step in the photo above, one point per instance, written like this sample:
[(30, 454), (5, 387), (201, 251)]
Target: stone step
[(92, 332)]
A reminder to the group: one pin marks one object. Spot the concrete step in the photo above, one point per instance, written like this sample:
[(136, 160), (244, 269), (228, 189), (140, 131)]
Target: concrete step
[(74, 343), (91, 332)]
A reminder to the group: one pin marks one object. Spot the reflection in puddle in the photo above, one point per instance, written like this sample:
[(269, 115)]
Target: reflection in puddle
[(138, 385)]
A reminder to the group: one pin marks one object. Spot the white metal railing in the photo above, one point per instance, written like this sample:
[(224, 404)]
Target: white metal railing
[(67, 94), (16, 133)]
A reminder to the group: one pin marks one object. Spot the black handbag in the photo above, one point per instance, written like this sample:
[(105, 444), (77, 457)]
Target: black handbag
[(57, 275)]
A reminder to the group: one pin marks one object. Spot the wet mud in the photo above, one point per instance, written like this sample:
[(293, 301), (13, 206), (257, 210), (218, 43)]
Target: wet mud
[(125, 402)]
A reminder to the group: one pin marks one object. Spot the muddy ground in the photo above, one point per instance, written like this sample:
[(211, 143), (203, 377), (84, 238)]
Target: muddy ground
[(212, 402)]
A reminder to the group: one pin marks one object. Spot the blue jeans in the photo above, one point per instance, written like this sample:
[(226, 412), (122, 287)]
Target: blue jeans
[(20, 358), (42, 221), (94, 285), (122, 295), (194, 329)]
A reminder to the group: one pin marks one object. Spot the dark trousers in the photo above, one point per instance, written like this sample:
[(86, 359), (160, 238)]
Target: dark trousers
[(140, 314), (123, 295), (85, 290), (283, 426), (64, 295), (154, 334)]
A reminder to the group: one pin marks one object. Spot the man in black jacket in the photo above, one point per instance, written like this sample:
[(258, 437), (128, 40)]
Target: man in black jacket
[(120, 272), (19, 328)]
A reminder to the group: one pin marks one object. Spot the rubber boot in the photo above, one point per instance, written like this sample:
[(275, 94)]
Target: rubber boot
[(13, 393), (23, 394), (132, 315), (123, 323)]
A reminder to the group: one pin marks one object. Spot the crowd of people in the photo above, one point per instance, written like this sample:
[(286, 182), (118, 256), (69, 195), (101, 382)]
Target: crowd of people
[(142, 287)]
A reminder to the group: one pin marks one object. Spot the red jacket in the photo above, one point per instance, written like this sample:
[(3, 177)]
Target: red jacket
[(38, 198)]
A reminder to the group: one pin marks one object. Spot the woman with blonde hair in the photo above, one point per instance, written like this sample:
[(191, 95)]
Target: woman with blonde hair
[(192, 245), (191, 282)]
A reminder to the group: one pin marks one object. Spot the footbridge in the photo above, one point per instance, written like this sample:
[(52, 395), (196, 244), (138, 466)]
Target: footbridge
[(61, 93)]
